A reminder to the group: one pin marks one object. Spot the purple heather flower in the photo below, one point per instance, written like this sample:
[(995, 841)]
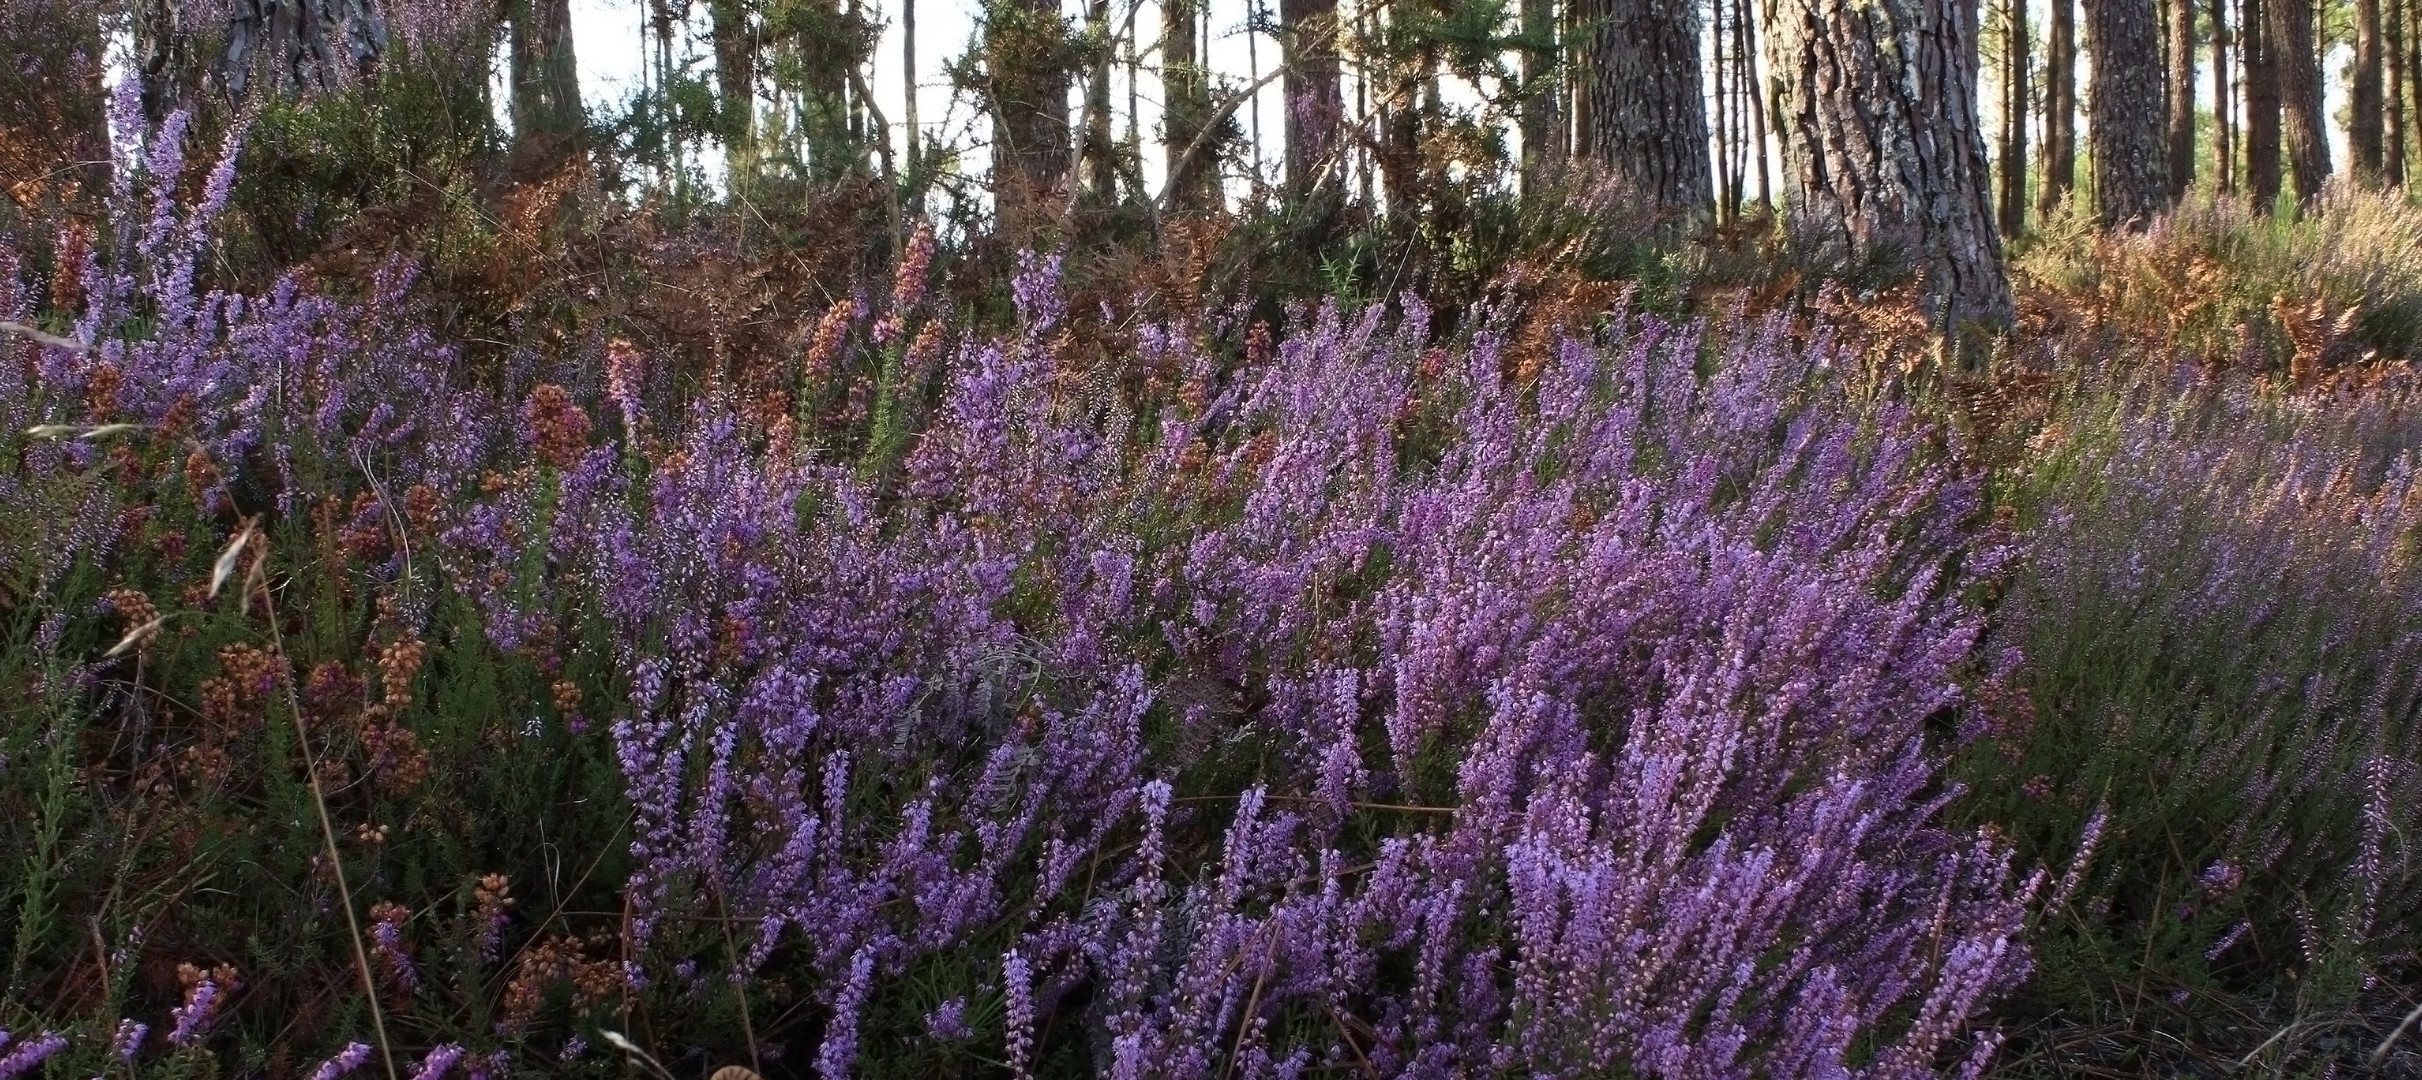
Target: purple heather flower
[(346, 1060)]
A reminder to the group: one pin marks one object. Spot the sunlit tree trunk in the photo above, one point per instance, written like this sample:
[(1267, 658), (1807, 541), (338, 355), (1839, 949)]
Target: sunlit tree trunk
[(1648, 116), (2060, 107), (2262, 175), (2014, 118), (2365, 105), (2131, 111), (2296, 64), (2181, 149), (1883, 146)]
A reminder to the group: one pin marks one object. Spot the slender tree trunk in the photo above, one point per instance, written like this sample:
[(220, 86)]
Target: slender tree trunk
[(2060, 108), (2014, 119), (1721, 70), (2365, 105), (2392, 135), (1542, 83), (734, 33), (1647, 113), (908, 85), (2131, 110), (2224, 116), (1315, 96), (1025, 45), (1882, 142), (2296, 65), (1099, 155), (1186, 97), (2262, 134), (1743, 18), (2182, 99)]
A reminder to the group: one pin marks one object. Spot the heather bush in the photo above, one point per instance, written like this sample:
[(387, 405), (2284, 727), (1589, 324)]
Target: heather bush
[(1356, 696), (2218, 706)]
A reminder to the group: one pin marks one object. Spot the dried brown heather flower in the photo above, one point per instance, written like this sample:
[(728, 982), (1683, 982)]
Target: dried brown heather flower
[(397, 664), (539, 969), (365, 535), (132, 605), (421, 507), (557, 427), (200, 473), (101, 391), (331, 691), (567, 696), (831, 330), (67, 278), (205, 765), (395, 757)]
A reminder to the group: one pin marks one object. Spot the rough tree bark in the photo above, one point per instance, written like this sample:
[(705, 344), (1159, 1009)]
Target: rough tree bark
[(2131, 111), (1882, 145), (2181, 142), (1648, 116), (2364, 104), (1026, 68), (2060, 108), (545, 78), (2262, 173), (298, 45), (2288, 44)]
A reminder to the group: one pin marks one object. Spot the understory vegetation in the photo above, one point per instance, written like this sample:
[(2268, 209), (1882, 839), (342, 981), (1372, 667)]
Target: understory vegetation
[(457, 615)]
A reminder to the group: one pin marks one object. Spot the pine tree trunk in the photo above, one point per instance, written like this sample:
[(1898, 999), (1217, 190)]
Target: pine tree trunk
[(2224, 119), (1099, 155), (2014, 119), (2181, 99), (2296, 65), (1315, 96), (2060, 108), (1186, 97), (1025, 45), (1881, 140), (1648, 115), (2392, 135), (2364, 104), (1542, 112), (545, 78), (2262, 175), (734, 35), (299, 45), (2131, 112)]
